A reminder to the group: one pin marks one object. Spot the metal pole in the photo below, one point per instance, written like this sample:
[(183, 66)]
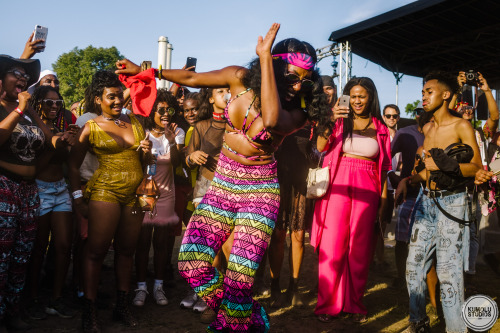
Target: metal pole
[(162, 58), (397, 91), (398, 77), (346, 61), (169, 59), (349, 68), (340, 66)]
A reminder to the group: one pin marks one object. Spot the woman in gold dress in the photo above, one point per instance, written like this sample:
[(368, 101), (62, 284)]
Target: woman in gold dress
[(109, 197)]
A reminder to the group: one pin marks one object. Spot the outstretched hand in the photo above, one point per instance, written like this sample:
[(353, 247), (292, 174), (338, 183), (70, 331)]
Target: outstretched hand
[(265, 44), (32, 47), (127, 67)]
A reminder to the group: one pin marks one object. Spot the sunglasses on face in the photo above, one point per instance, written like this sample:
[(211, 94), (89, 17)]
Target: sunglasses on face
[(51, 102), (293, 79), (162, 111), (19, 75), (393, 116)]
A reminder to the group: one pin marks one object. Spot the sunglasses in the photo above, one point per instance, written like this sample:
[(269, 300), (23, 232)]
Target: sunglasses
[(393, 116), (19, 75), (293, 79), (162, 111), (51, 102)]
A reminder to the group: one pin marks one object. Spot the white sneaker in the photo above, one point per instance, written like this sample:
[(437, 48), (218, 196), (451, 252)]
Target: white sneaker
[(140, 297), (189, 300), (199, 306), (159, 296)]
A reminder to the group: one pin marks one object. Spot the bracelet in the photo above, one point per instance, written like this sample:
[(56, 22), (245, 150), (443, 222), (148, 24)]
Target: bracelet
[(178, 85), (77, 194), (409, 180), (172, 144), (159, 72), (18, 110)]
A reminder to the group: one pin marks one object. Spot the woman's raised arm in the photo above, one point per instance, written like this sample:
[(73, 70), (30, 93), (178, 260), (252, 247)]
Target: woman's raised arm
[(224, 77)]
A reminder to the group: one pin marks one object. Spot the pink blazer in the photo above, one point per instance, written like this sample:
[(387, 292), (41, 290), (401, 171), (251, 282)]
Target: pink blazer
[(332, 158)]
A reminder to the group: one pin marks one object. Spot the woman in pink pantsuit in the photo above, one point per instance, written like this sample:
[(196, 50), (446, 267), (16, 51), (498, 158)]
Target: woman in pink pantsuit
[(358, 153)]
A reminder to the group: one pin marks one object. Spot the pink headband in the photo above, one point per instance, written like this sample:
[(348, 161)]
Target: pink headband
[(301, 60)]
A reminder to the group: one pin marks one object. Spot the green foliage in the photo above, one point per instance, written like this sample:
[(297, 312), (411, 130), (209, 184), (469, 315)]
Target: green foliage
[(76, 68), (410, 109)]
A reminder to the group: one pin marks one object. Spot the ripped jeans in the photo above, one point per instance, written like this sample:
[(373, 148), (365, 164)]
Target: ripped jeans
[(433, 232)]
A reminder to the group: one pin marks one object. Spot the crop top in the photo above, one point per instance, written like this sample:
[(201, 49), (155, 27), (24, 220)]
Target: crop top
[(25, 142), (264, 137), (361, 145)]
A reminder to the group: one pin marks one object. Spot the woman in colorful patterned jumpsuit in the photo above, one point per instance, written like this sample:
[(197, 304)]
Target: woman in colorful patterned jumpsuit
[(273, 98)]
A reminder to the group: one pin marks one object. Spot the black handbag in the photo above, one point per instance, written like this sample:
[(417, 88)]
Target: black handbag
[(447, 177)]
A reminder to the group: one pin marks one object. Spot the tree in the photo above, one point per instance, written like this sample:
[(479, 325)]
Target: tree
[(76, 68), (410, 109)]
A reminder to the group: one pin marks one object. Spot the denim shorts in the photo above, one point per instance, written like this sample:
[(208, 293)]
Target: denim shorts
[(54, 197)]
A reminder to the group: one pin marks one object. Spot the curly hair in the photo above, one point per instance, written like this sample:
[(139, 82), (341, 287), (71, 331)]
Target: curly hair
[(39, 95), (163, 96), (100, 81), (373, 103), (316, 102), (446, 79)]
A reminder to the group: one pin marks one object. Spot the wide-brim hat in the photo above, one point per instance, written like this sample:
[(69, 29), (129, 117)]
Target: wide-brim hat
[(30, 66)]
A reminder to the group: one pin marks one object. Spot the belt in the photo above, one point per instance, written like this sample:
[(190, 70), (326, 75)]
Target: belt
[(15, 177), (442, 193)]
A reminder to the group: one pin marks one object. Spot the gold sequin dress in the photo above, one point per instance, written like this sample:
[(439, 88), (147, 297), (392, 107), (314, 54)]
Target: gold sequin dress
[(120, 170)]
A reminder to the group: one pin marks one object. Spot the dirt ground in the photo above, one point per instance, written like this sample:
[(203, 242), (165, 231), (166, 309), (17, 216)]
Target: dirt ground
[(388, 307)]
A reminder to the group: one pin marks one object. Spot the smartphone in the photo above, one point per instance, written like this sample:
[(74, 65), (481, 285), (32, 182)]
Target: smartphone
[(344, 100), (191, 62), (41, 33)]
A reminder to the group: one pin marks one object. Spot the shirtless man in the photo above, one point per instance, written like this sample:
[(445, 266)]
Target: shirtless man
[(432, 230)]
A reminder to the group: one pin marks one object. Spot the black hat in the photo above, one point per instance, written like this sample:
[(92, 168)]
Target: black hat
[(327, 81), (30, 66)]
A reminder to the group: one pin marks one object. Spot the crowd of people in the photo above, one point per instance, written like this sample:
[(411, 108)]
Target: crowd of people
[(230, 164)]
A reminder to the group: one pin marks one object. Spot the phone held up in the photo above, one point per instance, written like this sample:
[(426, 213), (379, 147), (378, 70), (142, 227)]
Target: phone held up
[(191, 62), (344, 101), (41, 33)]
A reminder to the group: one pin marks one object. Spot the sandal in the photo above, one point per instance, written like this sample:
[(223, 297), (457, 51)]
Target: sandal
[(359, 318), (325, 318)]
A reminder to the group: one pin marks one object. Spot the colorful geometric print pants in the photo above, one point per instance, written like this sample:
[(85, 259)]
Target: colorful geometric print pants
[(246, 199), (19, 206), (432, 233)]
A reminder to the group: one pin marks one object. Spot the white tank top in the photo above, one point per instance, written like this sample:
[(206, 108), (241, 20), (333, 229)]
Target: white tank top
[(361, 146)]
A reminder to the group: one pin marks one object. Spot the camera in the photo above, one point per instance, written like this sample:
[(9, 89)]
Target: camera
[(472, 78)]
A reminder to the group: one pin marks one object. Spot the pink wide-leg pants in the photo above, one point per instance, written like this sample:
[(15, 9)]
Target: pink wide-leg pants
[(345, 250)]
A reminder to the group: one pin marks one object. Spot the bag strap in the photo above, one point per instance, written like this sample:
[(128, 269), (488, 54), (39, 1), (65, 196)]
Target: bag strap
[(454, 218), (321, 157)]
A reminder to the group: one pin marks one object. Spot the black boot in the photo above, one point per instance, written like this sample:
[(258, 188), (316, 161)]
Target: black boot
[(89, 317), (276, 297), (293, 293), (122, 311)]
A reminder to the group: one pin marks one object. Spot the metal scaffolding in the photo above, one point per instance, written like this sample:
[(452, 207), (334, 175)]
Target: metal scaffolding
[(344, 65)]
